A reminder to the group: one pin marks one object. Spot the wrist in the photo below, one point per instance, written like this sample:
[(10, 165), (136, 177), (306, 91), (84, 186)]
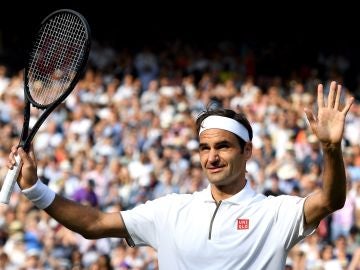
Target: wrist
[(27, 186), (39, 194), (330, 147)]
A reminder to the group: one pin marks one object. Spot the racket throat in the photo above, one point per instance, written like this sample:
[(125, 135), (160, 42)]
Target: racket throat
[(25, 130)]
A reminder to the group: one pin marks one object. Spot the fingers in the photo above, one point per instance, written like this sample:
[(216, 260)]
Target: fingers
[(21, 152), (334, 98), (337, 99), (25, 157), (11, 160), (332, 94), (17, 151), (320, 96), (348, 104)]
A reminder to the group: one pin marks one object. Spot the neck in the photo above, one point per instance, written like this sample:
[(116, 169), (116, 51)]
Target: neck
[(221, 193)]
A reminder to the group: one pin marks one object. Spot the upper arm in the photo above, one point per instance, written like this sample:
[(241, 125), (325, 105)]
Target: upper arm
[(315, 208), (110, 225)]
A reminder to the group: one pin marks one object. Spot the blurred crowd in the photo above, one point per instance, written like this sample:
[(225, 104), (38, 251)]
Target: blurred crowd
[(126, 135)]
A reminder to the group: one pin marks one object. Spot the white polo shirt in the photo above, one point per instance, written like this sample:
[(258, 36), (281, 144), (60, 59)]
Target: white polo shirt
[(247, 231)]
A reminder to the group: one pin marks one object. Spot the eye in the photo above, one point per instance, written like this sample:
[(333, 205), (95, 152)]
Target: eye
[(223, 146), (203, 148)]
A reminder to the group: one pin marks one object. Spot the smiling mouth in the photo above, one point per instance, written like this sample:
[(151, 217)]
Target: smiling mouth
[(215, 170)]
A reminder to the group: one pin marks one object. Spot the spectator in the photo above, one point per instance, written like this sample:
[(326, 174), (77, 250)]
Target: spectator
[(86, 195)]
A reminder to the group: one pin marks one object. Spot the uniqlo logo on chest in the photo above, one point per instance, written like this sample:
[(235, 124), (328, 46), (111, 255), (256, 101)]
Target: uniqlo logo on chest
[(242, 223)]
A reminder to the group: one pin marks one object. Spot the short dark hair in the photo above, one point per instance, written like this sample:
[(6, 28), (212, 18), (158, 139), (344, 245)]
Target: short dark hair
[(240, 117)]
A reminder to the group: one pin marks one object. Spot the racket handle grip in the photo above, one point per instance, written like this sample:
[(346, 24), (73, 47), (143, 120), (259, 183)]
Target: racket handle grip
[(9, 181)]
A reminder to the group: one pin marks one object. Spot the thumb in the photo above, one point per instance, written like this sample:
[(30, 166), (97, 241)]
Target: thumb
[(24, 156), (309, 117), (28, 174), (32, 155), (311, 120)]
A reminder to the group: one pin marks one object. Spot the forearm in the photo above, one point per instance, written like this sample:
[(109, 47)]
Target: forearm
[(85, 220), (76, 217), (332, 195), (334, 178)]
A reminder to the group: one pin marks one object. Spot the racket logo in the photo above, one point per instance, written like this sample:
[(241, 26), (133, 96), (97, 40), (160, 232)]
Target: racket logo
[(64, 51)]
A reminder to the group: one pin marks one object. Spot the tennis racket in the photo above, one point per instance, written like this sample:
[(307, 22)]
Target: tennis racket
[(56, 61)]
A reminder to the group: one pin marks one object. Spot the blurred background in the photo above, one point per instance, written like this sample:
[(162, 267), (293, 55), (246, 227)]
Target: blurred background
[(283, 37)]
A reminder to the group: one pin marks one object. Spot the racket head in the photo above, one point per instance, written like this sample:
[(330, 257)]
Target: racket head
[(57, 58)]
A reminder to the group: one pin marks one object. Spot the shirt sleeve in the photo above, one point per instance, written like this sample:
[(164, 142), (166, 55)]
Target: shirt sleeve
[(143, 221), (291, 220)]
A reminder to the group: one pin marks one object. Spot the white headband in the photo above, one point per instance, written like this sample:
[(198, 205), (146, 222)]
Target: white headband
[(226, 123)]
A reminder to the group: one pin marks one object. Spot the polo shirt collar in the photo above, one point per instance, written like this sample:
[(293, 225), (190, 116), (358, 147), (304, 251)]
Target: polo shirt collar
[(245, 194)]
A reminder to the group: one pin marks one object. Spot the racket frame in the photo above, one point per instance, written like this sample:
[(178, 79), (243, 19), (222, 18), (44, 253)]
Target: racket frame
[(27, 135)]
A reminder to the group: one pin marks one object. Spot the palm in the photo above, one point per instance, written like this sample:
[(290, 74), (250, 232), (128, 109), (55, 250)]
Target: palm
[(329, 127)]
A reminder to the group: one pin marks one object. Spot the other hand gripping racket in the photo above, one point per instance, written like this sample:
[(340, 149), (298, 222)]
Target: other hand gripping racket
[(56, 62)]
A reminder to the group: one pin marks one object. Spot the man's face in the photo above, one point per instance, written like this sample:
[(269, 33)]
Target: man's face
[(222, 158)]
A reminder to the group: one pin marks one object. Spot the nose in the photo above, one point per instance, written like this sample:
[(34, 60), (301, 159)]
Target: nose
[(213, 156)]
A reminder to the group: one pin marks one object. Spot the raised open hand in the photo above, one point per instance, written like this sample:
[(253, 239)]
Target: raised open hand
[(329, 123)]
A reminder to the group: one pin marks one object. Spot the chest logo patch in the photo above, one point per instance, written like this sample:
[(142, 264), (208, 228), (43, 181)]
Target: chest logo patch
[(242, 223)]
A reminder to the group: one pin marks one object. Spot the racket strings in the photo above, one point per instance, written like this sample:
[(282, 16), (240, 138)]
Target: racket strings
[(57, 55)]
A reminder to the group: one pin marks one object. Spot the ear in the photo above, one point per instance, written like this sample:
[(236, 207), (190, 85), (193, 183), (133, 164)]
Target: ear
[(248, 150)]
